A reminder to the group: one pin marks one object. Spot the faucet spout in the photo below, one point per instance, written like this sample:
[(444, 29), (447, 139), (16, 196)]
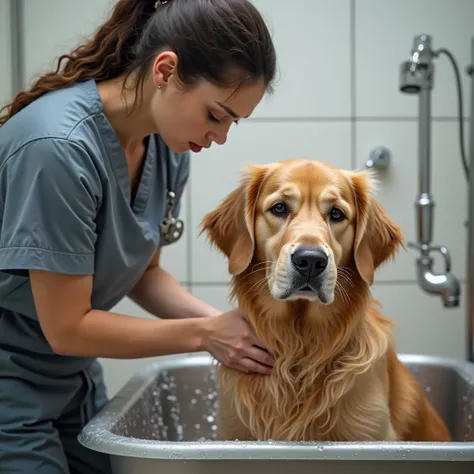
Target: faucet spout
[(445, 285)]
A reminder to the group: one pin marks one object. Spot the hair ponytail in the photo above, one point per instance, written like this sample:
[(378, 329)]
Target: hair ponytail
[(105, 56), (225, 42)]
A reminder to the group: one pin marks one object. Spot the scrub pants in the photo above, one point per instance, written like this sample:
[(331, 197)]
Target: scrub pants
[(41, 416)]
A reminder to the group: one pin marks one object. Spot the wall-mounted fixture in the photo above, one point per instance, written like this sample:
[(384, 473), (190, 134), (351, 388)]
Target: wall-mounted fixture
[(379, 158), (417, 77)]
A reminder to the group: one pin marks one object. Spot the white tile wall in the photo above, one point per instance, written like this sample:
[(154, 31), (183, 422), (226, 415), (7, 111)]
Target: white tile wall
[(337, 97), (6, 90), (384, 31), (53, 27), (314, 45)]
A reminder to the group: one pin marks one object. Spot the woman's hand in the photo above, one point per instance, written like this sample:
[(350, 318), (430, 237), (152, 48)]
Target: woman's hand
[(231, 340)]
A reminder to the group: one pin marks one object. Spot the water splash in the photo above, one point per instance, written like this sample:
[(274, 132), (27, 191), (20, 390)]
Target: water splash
[(174, 409)]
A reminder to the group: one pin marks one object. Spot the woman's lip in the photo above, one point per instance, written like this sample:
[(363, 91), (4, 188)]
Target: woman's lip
[(195, 147)]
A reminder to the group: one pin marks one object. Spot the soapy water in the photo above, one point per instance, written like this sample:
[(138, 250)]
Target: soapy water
[(181, 405), (174, 409)]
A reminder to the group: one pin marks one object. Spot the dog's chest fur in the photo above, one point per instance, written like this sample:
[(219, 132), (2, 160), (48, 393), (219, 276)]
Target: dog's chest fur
[(259, 408)]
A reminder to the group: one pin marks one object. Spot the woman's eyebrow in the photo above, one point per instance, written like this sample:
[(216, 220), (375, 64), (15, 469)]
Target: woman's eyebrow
[(228, 110)]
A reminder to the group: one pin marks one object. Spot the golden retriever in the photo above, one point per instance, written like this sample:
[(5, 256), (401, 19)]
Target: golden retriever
[(303, 240)]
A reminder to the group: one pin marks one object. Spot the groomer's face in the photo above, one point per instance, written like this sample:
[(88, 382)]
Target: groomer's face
[(195, 118)]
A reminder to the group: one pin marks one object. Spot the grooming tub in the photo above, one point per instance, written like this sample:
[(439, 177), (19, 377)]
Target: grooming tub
[(163, 421)]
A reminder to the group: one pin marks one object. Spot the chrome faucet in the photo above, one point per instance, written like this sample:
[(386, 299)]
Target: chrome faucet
[(416, 77)]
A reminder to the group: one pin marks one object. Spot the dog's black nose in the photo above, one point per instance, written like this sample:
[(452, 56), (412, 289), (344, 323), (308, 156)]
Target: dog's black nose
[(310, 261)]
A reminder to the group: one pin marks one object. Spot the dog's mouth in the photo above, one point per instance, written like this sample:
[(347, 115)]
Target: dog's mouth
[(312, 291), (308, 290)]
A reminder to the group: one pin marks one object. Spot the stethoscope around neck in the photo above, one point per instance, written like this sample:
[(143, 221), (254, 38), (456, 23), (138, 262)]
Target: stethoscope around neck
[(171, 229)]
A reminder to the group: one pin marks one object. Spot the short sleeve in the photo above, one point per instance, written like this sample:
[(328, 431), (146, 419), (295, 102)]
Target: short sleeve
[(50, 192)]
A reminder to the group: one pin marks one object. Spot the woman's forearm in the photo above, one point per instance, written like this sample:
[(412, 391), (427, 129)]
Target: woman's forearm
[(162, 295), (111, 335), (72, 327)]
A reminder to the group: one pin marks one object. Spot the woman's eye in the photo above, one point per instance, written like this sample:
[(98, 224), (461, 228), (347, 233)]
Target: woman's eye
[(336, 215), (213, 118), (279, 210)]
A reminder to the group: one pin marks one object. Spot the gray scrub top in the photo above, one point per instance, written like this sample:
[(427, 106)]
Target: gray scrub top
[(65, 206)]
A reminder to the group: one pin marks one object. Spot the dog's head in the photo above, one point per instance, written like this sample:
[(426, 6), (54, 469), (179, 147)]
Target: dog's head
[(302, 221)]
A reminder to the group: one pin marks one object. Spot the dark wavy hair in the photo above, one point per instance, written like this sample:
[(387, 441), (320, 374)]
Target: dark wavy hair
[(223, 41)]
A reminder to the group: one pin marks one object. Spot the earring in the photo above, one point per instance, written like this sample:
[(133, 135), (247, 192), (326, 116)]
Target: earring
[(159, 86)]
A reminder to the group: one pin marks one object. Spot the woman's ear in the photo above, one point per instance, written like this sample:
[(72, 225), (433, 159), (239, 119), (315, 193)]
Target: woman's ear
[(164, 66), (230, 227), (377, 237)]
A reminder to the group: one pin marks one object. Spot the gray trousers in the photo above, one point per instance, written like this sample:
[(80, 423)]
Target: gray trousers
[(41, 416)]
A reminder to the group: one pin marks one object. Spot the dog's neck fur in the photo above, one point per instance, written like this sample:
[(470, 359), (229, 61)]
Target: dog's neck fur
[(320, 352)]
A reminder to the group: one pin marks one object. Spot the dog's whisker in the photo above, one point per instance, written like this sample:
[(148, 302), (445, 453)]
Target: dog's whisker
[(264, 269), (342, 291), (264, 266), (347, 271), (346, 278), (345, 292), (259, 284), (348, 282), (261, 263)]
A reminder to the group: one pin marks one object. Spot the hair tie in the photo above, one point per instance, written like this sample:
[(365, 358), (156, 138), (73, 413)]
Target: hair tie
[(160, 2)]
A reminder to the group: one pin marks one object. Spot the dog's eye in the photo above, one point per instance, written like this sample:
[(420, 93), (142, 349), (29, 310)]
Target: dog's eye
[(279, 209), (337, 215)]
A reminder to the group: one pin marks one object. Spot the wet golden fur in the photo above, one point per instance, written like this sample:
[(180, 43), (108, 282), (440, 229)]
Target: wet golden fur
[(337, 377)]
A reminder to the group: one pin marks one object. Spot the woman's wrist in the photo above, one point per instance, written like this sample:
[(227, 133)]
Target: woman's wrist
[(204, 329)]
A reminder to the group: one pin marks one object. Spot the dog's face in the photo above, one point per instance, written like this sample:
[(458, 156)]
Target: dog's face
[(304, 229), (302, 221)]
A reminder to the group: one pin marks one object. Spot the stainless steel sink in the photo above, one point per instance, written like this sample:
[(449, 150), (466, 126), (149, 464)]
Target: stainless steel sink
[(163, 420)]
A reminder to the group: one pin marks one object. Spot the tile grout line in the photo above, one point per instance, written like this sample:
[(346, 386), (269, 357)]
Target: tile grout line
[(351, 118), (352, 39)]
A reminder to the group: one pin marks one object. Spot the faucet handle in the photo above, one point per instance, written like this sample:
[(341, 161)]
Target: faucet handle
[(413, 245), (426, 250), (445, 253)]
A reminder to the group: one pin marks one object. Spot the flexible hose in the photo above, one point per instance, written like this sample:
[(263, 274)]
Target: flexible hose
[(460, 107)]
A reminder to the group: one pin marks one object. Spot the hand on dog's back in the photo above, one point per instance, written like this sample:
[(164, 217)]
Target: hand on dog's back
[(230, 339)]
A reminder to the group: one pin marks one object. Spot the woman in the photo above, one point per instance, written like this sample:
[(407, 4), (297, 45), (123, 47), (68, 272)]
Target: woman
[(93, 162)]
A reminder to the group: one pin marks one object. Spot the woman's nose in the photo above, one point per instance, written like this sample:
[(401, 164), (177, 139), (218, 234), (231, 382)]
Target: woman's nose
[(219, 136)]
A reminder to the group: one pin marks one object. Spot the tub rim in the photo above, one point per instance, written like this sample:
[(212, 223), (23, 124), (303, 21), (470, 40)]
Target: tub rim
[(97, 434)]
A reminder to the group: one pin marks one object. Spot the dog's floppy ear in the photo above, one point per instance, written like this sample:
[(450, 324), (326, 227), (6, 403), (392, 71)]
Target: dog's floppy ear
[(230, 227), (377, 237)]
